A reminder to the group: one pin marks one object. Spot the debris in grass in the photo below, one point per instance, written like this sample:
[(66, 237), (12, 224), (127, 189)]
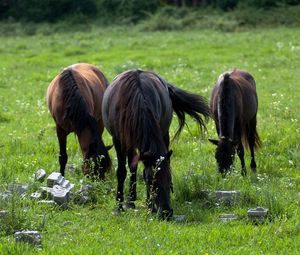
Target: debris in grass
[(228, 217), (18, 188), (56, 178), (58, 189), (258, 214), (5, 195), (228, 198), (36, 195), (222, 197), (30, 237), (40, 175), (180, 218), (3, 214)]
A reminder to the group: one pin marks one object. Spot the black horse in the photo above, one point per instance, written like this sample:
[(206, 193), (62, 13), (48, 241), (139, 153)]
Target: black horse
[(234, 106), (137, 110), (74, 99)]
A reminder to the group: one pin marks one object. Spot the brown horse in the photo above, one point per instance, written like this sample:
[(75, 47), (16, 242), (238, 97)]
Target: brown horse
[(137, 110), (234, 106), (74, 99)]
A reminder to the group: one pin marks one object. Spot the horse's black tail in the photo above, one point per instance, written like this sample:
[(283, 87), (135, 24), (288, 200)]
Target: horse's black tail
[(75, 105), (185, 102)]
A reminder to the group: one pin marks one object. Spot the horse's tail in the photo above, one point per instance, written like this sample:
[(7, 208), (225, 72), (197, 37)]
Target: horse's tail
[(76, 109), (185, 102), (252, 131), (137, 124), (249, 129)]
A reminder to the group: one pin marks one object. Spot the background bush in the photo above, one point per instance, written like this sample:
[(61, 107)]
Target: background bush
[(116, 10)]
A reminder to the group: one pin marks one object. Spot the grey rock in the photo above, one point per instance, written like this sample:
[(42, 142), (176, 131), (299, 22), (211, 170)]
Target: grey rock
[(179, 218), (40, 175), (227, 197), (30, 237), (46, 193), (258, 213), (5, 195), (60, 195), (228, 217), (18, 188), (67, 185), (54, 178)]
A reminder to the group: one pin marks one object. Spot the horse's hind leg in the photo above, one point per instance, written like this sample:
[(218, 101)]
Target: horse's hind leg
[(121, 172), (133, 177), (240, 152), (251, 141), (62, 140)]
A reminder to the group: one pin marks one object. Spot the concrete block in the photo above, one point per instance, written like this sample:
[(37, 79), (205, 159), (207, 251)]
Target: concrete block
[(40, 175), (60, 195), (228, 217), (227, 197), (30, 237), (54, 179), (46, 193), (66, 184), (258, 214)]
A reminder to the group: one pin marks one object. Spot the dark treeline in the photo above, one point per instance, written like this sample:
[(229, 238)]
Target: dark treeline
[(133, 10)]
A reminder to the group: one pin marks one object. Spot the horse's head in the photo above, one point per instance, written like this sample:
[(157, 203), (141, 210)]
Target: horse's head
[(157, 174), (97, 161), (224, 154)]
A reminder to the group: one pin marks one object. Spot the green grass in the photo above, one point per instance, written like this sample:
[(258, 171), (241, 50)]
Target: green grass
[(191, 60)]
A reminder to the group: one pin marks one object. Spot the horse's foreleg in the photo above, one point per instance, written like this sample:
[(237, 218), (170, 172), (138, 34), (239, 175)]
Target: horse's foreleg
[(62, 140), (240, 152), (133, 177), (121, 172)]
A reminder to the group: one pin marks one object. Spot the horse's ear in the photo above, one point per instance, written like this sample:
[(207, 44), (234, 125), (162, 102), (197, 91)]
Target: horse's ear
[(169, 154), (213, 141), (108, 147)]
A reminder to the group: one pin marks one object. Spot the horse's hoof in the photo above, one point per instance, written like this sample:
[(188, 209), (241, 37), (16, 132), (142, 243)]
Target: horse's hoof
[(130, 205), (166, 215)]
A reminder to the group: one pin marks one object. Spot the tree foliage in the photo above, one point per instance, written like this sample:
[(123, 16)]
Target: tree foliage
[(132, 10)]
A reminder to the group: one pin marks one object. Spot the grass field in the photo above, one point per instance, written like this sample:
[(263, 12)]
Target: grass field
[(191, 60)]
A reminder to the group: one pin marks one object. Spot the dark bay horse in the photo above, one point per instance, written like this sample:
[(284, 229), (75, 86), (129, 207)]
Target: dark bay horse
[(137, 110), (74, 99), (234, 106)]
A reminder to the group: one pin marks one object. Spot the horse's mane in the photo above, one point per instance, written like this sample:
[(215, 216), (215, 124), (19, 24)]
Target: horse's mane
[(138, 124), (235, 87)]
